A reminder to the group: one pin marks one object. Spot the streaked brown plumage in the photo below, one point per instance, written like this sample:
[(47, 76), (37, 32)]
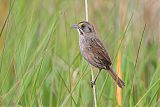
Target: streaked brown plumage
[(93, 50)]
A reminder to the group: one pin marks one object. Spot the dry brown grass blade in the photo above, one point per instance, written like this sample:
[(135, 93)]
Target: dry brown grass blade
[(123, 14), (139, 47), (119, 91), (1, 43), (4, 8), (119, 73), (3, 15)]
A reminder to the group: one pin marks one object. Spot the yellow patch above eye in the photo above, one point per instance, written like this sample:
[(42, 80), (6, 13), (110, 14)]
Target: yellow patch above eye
[(80, 24)]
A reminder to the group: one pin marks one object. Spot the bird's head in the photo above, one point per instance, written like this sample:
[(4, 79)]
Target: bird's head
[(84, 27)]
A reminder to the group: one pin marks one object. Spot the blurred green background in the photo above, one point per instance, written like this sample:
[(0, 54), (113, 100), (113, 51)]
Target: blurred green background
[(40, 62)]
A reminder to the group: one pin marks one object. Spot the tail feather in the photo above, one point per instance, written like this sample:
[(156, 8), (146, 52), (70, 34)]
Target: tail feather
[(119, 82)]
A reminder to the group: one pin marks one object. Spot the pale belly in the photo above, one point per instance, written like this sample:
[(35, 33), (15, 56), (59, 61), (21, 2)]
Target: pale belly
[(85, 49), (82, 45)]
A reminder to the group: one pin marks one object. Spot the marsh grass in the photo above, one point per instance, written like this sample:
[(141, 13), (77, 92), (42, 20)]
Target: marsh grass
[(40, 62)]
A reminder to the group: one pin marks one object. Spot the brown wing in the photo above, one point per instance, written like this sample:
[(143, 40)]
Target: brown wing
[(100, 55)]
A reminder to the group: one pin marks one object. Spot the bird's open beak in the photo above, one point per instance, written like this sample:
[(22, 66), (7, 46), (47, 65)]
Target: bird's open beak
[(75, 26)]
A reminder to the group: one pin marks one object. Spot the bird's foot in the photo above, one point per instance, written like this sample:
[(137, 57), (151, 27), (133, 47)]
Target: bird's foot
[(93, 83)]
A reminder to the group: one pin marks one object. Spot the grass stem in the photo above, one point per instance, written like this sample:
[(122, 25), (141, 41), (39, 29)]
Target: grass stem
[(94, 86)]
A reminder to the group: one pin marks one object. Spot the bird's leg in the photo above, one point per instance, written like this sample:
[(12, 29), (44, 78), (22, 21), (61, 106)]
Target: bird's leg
[(94, 81)]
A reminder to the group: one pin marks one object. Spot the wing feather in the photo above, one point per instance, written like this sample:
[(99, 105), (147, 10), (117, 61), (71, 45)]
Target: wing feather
[(100, 52)]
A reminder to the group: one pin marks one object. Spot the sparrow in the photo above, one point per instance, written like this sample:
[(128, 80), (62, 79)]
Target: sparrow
[(94, 52)]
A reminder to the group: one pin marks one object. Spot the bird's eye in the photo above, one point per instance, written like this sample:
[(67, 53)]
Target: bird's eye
[(83, 26)]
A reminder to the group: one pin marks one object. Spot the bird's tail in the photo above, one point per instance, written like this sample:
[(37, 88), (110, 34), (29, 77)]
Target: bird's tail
[(119, 82)]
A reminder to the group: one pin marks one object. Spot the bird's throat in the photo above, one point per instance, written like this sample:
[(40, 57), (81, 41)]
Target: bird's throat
[(80, 31)]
